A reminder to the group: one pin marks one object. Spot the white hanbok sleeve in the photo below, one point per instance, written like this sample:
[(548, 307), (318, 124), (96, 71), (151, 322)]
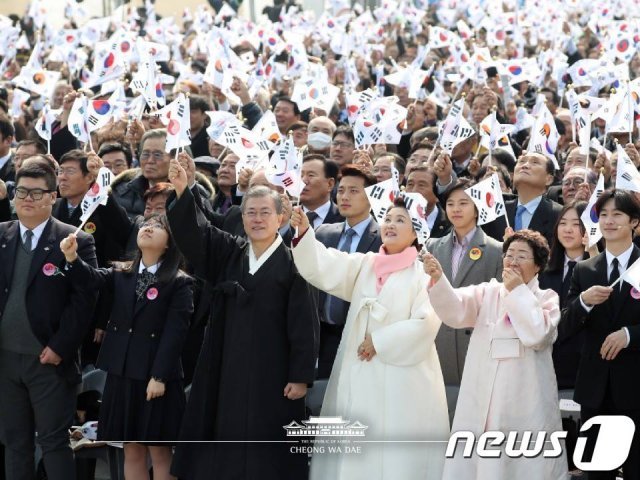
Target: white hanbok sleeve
[(328, 269), (457, 308), (534, 319), (408, 342)]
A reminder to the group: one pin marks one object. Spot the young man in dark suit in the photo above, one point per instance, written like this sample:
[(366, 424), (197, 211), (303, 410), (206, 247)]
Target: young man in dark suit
[(358, 233), (43, 319), (532, 209), (607, 381)]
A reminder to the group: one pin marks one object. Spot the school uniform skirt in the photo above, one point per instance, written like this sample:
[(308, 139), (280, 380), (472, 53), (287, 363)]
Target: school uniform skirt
[(127, 416)]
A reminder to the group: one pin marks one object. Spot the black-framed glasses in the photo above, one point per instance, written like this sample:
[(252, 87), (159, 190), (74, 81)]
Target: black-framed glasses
[(35, 193)]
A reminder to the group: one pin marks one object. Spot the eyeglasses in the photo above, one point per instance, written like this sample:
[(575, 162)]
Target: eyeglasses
[(261, 213), (342, 144), (575, 182), (516, 258), (35, 193), (67, 171), (156, 154)]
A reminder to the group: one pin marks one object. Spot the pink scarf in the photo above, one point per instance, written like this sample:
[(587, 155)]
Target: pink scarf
[(384, 264)]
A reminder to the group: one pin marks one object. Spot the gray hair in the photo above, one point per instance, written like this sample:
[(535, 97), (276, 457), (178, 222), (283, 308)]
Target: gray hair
[(260, 191), (159, 133)]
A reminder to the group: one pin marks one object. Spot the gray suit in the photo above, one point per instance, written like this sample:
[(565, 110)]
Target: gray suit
[(329, 234), (452, 344)]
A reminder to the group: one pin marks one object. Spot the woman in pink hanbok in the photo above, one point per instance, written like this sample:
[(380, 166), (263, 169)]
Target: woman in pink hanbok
[(509, 384)]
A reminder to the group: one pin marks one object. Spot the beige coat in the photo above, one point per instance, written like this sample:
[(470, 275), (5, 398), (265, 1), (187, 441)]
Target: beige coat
[(400, 393), (509, 382)]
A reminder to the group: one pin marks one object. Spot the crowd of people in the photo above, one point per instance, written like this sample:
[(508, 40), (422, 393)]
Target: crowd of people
[(238, 258)]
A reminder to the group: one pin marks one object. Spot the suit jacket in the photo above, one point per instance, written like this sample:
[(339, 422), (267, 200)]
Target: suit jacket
[(333, 215), (568, 345), (555, 193), (59, 311), (441, 226), (595, 375), (329, 235), (451, 343), (543, 219), (109, 226), (144, 337), (8, 171)]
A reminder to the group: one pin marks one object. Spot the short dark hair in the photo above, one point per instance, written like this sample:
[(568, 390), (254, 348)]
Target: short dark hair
[(345, 131), (536, 242), (76, 155), (198, 102), (297, 126), (159, 189), (39, 146), (555, 98), (38, 170), (296, 110), (110, 147), (624, 201), (6, 127), (331, 168), (352, 170), (423, 145), (461, 184)]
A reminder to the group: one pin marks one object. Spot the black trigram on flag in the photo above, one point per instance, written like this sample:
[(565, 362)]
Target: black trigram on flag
[(360, 137), (92, 120), (325, 90), (263, 145), (417, 225), (408, 202), (538, 149), (499, 208), (287, 181), (303, 96), (180, 110), (230, 137), (376, 134), (474, 193), (627, 177), (376, 192), (484, 215), (593, 231), (380, 214)]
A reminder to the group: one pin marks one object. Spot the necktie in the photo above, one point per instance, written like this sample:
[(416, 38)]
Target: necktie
[(337, 308), (226, 205), (519, 211), (312, 217), (28, 241), (456, 259), (145, 278), (615, 274), (566, 282)]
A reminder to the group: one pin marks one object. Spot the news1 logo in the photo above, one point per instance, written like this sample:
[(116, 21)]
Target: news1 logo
[(610, 442)]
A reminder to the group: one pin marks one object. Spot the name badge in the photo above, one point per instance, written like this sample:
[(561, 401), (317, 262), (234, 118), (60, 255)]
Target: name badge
[(503, 348)]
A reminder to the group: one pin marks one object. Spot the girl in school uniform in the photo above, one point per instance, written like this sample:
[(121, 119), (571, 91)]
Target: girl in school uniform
[(143, 399)]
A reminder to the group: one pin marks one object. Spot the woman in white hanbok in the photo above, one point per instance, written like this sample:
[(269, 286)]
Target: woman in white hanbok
[(509, 384), (386, 373)]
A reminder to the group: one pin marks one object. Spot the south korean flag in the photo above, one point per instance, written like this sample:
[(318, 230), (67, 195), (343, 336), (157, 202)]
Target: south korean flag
[(487, 197)]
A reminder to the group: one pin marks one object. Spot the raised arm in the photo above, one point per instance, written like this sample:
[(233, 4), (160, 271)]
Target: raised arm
[(328, 269), (456, 308)]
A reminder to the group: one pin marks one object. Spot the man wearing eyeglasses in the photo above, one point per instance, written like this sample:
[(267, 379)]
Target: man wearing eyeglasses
[(43, 319), (154, 169)]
